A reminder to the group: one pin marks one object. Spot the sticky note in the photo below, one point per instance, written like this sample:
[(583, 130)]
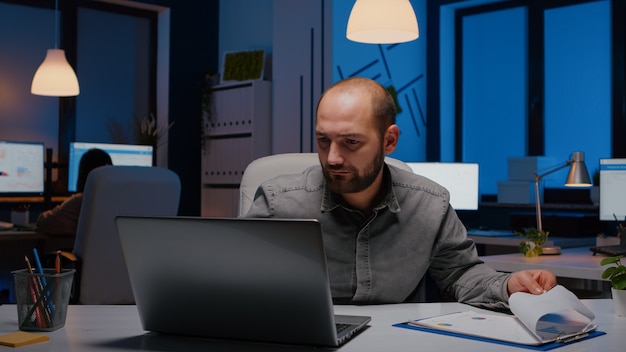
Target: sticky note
[(22, 338)]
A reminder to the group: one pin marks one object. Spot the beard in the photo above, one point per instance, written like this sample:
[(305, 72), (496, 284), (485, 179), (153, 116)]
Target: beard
[(359, 182)]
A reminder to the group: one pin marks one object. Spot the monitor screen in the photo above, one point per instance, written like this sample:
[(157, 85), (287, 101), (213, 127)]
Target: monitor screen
[(461, 180), (22, 168), (612, 189), (121, 154)]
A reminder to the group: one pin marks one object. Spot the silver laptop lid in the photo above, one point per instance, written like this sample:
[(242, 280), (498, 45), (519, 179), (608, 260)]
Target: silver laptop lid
[(249, 279)]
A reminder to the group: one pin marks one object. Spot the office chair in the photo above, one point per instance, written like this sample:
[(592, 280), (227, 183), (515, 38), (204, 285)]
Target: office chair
[(101, 276), (264, 168)]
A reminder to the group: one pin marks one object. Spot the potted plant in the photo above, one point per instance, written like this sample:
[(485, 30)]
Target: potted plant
[(534, 239), (616, 273)]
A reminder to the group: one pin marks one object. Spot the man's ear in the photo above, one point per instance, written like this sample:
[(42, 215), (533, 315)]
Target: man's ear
[(391, 138)]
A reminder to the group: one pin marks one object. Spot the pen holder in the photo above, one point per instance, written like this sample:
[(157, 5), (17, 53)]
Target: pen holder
[(42, 299)]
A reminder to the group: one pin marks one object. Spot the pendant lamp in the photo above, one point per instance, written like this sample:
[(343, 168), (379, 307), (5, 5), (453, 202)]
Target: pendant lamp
[(55, 77), (382, 22)]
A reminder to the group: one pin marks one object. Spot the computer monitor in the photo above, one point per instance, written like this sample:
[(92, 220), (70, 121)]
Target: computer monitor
[(121, 154), (22, 168), (612, 189), (461, 180)]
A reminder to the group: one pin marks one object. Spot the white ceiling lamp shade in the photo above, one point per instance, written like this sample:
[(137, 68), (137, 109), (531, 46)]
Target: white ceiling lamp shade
[(382, 22), (55, 77)]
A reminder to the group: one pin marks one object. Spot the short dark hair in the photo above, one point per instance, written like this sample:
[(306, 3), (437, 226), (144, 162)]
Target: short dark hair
[(92, 159), (383, 104)]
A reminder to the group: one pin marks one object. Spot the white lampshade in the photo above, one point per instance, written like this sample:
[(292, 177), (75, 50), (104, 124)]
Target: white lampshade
[(55, 77), (382, 22)]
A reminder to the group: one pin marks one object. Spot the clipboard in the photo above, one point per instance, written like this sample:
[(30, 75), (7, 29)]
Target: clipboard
[(542, 347), (543, 321)]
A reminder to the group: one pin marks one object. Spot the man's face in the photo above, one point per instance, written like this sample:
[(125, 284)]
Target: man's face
[(349, 145)]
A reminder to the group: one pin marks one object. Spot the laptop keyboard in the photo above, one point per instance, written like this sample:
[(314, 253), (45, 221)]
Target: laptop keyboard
[(612, 251), (341, 327)]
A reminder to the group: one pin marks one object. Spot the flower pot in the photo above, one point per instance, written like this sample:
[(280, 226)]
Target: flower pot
[(619, 302), (531, 249)]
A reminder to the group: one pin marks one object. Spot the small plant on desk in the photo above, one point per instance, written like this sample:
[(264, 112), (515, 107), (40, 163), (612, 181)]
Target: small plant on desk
[(616, 272), (534, 239)]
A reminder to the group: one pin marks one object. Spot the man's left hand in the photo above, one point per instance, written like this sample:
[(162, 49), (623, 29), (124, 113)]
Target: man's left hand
[(532, 281)]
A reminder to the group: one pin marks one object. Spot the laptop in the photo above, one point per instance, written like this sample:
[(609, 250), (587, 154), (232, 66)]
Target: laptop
[(236, 278)]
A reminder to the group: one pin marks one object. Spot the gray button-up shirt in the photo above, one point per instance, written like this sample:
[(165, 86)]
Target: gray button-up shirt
[(383, 258)]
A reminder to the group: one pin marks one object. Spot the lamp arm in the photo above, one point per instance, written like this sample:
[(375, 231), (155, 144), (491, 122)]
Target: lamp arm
[(537, 180), (554, 169)]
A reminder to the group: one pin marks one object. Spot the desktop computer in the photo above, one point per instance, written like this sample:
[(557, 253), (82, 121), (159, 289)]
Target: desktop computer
[(613, 202), (22, 168), (121, 154)]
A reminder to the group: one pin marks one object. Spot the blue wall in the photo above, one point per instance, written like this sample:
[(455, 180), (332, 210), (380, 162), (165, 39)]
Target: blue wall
[(577, 88), (20, 55)]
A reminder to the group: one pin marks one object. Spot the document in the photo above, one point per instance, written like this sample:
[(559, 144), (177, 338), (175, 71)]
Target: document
[(554, 316)]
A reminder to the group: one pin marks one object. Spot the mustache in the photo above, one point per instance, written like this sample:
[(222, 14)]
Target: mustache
[(337, 167)]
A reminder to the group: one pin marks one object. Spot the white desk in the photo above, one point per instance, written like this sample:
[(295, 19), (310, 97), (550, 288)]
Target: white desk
[(578, 263), (117, 328)]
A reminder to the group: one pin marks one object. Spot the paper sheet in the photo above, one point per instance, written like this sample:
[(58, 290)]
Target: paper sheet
[(538, 319)]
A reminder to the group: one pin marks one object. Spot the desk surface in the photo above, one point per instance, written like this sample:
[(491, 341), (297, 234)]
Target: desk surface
[(117, 328), (18, 235), (578, 263)]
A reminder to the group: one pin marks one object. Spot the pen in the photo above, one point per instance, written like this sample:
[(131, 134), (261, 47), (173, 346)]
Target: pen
[(35, 294), (42, 282), (38, 263)]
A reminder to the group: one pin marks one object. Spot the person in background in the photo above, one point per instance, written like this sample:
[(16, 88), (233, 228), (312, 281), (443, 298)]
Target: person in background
[(383, 228), (63, 219)]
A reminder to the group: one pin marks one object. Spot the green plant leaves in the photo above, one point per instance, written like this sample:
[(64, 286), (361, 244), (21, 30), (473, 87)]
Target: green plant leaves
[(616, 273)]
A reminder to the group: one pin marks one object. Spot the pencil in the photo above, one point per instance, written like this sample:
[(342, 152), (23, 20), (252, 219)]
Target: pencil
[(57, 263)]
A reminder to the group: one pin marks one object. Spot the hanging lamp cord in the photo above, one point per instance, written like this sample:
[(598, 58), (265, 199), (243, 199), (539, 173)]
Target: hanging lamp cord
[(56, 24)]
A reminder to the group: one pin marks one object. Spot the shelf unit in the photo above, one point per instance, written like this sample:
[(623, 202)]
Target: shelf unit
[(239, 133)]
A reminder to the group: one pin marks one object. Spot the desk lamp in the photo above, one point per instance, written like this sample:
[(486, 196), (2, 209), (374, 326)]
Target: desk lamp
[(578, 176)]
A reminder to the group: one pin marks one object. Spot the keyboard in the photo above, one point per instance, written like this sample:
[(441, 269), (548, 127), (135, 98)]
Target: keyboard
[(341, 327), (613, 250)]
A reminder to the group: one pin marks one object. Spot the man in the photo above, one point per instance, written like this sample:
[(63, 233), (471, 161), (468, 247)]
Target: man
[(383, 227)]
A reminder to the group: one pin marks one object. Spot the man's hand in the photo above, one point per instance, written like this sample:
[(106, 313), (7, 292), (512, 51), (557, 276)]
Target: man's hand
[(532, 281)]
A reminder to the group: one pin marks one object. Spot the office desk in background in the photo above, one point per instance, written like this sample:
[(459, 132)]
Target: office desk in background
[(491, 242), (578, 263), (576, 268), (117, 328), (508, 238), (21, 235)]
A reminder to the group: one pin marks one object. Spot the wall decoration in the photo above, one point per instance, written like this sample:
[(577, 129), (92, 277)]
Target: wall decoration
[(243, 66)]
